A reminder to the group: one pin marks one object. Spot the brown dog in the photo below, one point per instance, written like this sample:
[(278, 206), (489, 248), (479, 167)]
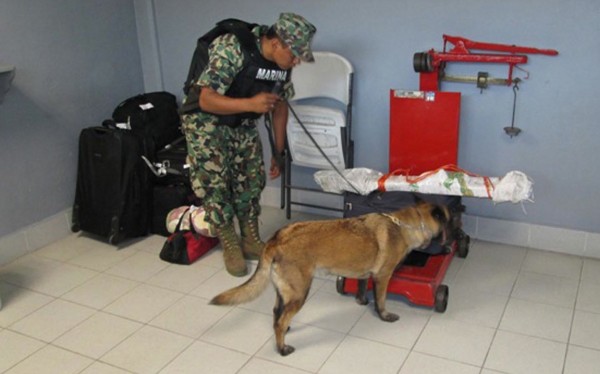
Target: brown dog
[(361, 247)]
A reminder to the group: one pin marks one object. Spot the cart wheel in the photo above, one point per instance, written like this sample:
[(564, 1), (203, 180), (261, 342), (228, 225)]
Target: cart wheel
[(441, 298), (463, 246), (75, 227), (340, 283)]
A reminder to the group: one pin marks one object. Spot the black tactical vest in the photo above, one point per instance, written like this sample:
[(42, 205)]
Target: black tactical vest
[(257, 74)]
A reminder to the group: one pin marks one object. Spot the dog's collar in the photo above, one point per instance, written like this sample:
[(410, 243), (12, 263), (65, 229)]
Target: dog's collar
[(399, 223), (395, 220)]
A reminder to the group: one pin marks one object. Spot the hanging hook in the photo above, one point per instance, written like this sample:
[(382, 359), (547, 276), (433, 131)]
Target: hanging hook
[(512, 130)]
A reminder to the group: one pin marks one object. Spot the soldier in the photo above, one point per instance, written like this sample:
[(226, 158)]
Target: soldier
[(237, 86)]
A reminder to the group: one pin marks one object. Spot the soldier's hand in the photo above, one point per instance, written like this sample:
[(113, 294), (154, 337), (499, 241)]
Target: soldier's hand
[(274, 170), (264, 102)]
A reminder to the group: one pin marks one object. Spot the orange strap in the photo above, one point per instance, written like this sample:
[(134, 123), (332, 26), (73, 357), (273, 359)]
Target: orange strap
[(381, 181), (489, 186)]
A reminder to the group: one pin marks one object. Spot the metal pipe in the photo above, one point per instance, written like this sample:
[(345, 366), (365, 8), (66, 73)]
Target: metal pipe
[(478, 80)]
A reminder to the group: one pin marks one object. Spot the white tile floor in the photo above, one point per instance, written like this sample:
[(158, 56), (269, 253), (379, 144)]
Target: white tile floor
[(81, 306)]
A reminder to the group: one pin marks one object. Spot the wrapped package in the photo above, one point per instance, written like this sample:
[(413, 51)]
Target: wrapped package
[(193, 215), (515, 186)]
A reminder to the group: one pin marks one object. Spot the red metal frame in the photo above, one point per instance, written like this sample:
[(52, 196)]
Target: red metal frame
[(423, 130), (462, 53), (462, 45), (418, 284)]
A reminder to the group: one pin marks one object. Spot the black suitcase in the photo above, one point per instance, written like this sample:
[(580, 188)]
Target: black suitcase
[(153, 116), (172, 187), (172, 160), (112, 197)]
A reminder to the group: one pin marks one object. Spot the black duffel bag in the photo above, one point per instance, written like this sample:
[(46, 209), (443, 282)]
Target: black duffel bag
[(153, 116)]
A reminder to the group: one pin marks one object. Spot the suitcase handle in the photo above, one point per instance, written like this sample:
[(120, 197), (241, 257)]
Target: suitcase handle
[(109, 124), (102, 131)]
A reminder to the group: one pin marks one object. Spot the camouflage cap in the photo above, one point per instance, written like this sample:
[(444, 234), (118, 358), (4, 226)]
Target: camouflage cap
[(297, 33)]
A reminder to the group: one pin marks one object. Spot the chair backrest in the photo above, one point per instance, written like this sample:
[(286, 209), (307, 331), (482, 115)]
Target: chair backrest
[(329, 76)]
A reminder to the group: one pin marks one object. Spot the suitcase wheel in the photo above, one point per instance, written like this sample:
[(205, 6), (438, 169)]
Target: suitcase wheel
[(114, 239), (113, 236), (441, 298), (75, 219)]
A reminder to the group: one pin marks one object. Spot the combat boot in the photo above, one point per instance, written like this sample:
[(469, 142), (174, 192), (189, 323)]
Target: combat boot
[(232, 251), (252, 246)]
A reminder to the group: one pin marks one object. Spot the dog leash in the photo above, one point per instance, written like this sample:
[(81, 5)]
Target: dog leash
[(319, 147), (312, 139)]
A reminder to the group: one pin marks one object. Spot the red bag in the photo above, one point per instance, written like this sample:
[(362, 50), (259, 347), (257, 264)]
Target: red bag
[(186, 246)]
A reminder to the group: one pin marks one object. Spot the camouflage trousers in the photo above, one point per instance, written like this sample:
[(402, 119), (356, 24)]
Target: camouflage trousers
[(226, 168)]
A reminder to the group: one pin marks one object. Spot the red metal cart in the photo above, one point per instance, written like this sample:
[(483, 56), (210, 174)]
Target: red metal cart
[(424, 130)]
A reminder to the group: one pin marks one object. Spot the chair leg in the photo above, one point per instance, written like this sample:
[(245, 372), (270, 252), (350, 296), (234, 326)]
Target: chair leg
[(288, 184), (282, 192)]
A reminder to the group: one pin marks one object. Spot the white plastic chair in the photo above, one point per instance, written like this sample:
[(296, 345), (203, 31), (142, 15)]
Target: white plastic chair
[(329, 77)]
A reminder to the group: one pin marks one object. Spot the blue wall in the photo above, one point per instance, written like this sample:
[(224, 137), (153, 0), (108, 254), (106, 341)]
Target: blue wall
[(557, 107), (75, 60)]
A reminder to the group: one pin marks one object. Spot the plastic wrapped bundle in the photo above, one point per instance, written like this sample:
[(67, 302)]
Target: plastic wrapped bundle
[(191, 214), (515, 186), (362, 180)]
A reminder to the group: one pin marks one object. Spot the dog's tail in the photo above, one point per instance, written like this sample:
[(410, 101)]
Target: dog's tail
[(252, 288)]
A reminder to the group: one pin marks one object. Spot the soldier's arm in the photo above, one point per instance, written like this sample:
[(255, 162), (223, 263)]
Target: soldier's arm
[(280, 119)]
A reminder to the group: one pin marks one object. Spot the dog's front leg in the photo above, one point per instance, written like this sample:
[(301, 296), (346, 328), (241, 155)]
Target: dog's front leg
[(380, 284)]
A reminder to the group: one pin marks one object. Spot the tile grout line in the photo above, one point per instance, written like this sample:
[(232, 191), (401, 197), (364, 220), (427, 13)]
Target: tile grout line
[(572, 318), (504, 311)]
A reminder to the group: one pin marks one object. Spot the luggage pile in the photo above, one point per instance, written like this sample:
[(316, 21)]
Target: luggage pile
[(131, 170)]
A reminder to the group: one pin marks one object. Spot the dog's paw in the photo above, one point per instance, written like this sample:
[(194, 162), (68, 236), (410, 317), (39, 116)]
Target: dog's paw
[(389, 317), (286, 350), (362, 300)]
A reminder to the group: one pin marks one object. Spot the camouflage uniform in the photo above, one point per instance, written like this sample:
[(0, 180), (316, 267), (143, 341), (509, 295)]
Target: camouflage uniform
[(226, 166), (226, 163)]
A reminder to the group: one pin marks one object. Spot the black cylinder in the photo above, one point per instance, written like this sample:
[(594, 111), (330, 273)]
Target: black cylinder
[(422, 62)]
